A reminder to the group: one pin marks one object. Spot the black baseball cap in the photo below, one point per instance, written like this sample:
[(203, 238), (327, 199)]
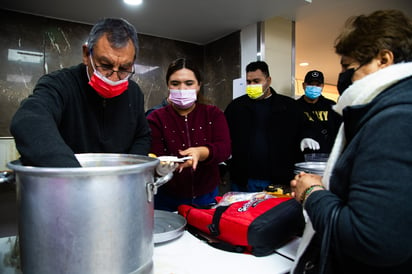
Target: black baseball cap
[(314, 75)]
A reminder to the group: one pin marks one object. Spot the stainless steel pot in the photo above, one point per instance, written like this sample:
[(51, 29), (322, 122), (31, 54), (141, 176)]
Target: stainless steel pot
[(310, 167), (94, 219)]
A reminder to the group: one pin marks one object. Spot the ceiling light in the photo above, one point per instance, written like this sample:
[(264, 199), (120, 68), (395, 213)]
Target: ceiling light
[(304, 64), (133, 2)]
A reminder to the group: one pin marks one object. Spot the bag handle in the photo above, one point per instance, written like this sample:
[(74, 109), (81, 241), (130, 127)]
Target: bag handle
[(214, 226)]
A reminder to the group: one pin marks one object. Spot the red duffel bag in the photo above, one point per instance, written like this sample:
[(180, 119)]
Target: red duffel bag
[(258, 225)]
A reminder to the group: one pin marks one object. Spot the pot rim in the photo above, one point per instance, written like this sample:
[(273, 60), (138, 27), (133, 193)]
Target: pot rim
[(129, 163)]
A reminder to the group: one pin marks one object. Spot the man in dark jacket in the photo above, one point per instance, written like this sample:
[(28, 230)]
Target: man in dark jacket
[(265, 129), (91, 107), (321, 122)]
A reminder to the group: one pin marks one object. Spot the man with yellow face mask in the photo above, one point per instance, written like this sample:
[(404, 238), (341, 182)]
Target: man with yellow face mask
[(265, 129)]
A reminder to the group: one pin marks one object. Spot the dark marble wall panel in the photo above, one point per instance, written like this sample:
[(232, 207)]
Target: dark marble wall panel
[(222, 65), (19, 74), (155, 55), (63, 43), (31, 46)]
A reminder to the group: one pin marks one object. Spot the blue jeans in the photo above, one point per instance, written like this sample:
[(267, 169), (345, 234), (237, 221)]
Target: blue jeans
[(166, 202), (253, 185)]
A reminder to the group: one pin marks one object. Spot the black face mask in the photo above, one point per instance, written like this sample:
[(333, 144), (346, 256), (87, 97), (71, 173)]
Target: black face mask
[(345, 80)]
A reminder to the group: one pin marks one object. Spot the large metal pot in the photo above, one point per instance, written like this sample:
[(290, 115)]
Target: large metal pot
[(93, 219)]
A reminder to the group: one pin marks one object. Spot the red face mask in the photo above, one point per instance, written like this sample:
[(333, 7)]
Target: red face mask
[(106, 87)]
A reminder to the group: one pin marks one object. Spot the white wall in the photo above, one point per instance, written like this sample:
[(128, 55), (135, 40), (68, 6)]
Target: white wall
[(248, 44), (248, 50), (279, 54), (277, 50)]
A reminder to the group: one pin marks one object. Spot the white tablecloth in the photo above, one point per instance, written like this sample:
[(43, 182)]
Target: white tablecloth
[(189, 255)]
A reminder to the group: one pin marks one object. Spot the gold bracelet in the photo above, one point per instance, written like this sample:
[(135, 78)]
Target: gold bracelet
[(308, 191)]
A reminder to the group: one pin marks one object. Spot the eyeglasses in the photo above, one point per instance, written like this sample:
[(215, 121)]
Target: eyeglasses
[(107, 71)]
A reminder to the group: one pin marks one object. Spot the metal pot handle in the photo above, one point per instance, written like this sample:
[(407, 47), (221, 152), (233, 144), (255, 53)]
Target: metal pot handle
[(7, 176), (151, 188)]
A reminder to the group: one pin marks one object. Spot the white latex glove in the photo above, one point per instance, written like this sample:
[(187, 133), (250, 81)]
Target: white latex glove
[(309, 143), (165, 167)]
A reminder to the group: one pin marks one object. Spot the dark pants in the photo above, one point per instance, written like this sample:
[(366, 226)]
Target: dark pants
[(169, 203), (253, 185)]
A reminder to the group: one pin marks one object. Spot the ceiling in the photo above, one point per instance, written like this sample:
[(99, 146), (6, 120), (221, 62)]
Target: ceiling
[(204, 21)]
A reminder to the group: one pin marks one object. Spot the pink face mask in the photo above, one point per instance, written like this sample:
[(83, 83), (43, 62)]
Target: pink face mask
[(106, 87), (183, 98)]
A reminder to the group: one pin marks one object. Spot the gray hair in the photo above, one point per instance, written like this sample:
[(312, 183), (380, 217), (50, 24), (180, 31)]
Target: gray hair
[(118, 31)]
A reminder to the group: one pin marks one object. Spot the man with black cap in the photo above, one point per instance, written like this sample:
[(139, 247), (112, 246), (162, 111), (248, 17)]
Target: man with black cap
[(321, 122)]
